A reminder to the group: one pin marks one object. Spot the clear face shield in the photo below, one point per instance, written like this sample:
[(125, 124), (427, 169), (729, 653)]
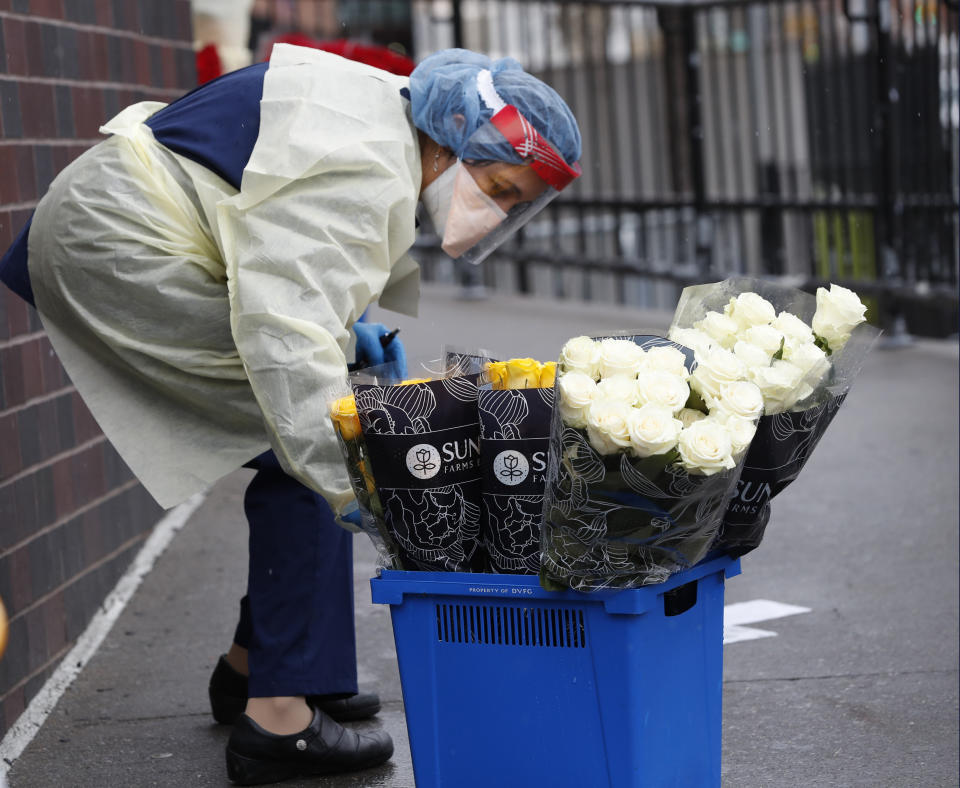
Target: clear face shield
[(490, 200)]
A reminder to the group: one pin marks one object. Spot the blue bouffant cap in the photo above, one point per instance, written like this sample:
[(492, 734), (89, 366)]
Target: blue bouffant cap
[(447, 106)]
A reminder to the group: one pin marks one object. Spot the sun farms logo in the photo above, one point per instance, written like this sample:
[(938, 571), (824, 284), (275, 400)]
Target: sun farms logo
[(424, 461), (750, 497), (510, 467)]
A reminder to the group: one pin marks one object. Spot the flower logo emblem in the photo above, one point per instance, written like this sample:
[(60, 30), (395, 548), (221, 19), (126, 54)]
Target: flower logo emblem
[(423, 461), (511, 467)]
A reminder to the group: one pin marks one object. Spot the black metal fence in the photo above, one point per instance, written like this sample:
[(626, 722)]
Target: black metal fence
[(812, 140)]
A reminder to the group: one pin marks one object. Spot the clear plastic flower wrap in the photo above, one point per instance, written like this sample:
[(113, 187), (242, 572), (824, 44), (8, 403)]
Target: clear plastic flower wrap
[(514, 412), (640, 470), (802, 350), (356, 458), (422, 439)]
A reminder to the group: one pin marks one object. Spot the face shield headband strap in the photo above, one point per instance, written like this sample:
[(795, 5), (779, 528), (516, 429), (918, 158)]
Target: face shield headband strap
[(525, 139)]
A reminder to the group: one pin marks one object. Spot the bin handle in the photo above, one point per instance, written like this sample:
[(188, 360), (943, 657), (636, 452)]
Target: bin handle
[(680, 600)]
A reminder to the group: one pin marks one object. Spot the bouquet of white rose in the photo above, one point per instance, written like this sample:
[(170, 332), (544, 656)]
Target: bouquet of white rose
[(641, 469), (801, 351)]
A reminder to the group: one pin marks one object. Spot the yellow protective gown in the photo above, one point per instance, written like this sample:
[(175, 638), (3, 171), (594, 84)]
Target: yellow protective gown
[(202, 325)]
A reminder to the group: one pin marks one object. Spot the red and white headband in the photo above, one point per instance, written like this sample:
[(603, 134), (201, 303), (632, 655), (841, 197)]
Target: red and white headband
[(525, 139)]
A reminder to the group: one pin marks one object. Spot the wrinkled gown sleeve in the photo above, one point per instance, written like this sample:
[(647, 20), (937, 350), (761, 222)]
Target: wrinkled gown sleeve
[(326, 210)]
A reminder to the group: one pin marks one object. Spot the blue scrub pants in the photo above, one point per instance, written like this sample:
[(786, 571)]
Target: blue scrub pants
[(297, 617)]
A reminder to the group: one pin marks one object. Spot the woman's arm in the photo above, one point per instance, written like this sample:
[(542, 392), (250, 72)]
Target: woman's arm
[(304, 259)]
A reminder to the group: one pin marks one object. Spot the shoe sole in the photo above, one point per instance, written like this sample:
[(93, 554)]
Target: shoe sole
[(250, 771)]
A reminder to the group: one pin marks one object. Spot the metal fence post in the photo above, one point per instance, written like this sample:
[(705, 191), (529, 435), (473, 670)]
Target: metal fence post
[(695, 133), (889, 220), (457, 19)]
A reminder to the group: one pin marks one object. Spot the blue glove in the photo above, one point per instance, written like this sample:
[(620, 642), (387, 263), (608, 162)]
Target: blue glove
[(396, 355), (370, 353)]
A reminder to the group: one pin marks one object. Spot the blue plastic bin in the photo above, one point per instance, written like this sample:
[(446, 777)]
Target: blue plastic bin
[(508, 685)]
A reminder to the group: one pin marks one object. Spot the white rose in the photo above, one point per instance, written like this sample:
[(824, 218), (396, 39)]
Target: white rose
[(838, 311), (799, 394), (750, 309), (619, 388), (662, 388), (577, 392), (794, 330), (714, 370), (751, 355), (620, 357), (741, 433), (705, 448), (778, 383), (692, 338), (688, 415), (581, 354), (811, 359), (766, 337), (653, 430), (742, 398), (608, 426), (720, 328), (665, 358)]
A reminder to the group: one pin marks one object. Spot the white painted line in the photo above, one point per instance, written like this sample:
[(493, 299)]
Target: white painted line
[(25, 728), (739, 614), (736, 633), (758, 610)]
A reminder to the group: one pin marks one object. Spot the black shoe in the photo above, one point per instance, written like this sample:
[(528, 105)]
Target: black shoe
[(256, 756), (228, 698)]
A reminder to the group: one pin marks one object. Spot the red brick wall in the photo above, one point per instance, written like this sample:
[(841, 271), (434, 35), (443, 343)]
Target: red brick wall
[(71, 514)]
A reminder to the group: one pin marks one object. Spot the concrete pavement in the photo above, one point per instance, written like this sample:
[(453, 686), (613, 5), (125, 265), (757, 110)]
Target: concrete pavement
[(861, 691)]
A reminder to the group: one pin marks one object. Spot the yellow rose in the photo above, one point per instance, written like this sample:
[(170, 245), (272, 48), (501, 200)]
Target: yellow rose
[(343, 412), (523, 373), (548, 375), (413, 381), (497, 373)]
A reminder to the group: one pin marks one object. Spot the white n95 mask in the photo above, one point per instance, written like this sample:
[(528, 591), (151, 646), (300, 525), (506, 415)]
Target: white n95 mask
[(471, 216), (437, 196)]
